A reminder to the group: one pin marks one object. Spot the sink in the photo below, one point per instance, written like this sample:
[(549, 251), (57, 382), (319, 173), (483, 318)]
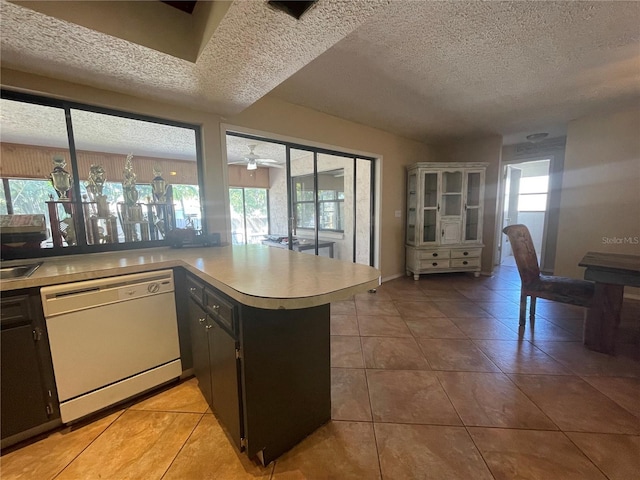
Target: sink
[(18, 271)]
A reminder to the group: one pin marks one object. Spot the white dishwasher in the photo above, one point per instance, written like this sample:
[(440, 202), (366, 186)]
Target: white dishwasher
[(111, 339)]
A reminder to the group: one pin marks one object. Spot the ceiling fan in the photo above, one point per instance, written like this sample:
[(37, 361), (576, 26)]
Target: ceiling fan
[(253, 161)]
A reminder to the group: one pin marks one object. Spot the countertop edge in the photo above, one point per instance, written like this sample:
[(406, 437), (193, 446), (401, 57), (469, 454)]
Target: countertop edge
[(270, 303)]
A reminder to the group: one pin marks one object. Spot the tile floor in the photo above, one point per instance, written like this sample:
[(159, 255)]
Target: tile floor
[(431, 379)]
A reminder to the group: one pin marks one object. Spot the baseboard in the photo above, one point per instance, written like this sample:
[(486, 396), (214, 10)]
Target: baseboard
[(392, 277)]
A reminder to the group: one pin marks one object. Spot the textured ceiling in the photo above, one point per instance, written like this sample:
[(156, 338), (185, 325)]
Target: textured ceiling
[(423, 69), (253, 49), (432, 70), (44, 126)]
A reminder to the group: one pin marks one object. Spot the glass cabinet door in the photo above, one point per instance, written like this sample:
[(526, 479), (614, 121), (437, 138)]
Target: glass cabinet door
[(430, 207), (472, 206), (412, 205), (451, 193)]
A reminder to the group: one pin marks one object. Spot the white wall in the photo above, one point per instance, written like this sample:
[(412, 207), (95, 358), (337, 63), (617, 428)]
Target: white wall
[(600, 189)]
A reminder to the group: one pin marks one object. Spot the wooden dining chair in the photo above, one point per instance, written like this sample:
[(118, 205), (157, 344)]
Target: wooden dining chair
[(535, 285)]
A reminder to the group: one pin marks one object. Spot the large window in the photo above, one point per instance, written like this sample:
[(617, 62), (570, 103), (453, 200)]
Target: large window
[(99, 179), (321, 201)]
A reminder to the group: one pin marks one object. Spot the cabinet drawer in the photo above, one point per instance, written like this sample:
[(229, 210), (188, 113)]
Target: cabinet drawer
[(220, 309), (16, 310), (465, 253), (433, 264), (195, 289), (435, 253), (465, 262)]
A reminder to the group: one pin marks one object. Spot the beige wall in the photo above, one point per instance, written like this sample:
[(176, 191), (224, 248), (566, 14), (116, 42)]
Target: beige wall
[(278, 117), (488, 150), (600, 189)]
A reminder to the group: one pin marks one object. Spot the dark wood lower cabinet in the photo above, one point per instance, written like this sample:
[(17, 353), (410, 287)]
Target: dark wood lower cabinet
[(286, 377), (215, 355), (28, 394), (265, 373)]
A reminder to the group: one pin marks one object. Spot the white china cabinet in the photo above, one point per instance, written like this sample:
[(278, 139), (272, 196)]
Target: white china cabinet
[(444, 217)]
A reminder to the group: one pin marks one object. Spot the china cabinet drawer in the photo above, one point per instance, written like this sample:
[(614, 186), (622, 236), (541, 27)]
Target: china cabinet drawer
[(440, 253), (466, 253), (432, 264), (465, 262)]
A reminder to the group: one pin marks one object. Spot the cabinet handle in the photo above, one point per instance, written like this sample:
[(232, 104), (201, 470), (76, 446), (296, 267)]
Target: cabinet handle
[(435, 264), (192, 289), (202, 320), (443, 232), (465, 263), (208, 327), (438, 207), (435, 254), (465, 253), (465, 206), (215, 308)]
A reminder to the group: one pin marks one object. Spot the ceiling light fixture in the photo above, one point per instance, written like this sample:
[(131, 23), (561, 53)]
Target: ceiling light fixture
[(252, 165), (537, 137)]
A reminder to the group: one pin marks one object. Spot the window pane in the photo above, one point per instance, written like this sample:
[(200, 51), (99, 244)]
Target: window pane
[(32, 136), (30, 196), (532, 203), (534, 184), (256, 214), (305, 215), (3, 200), (186, 199), (303, 190), (331, 215), (163, 162), (237, 216)]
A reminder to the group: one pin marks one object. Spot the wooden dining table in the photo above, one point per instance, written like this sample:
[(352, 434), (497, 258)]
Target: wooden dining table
[(610, 272)]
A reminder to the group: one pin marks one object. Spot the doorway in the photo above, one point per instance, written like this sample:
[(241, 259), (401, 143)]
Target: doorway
[(525, 201)]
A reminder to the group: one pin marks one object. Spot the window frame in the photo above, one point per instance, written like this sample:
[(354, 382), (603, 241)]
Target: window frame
[(317, 201), (67, 106)]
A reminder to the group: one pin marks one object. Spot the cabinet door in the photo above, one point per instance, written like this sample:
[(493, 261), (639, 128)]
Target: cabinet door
[(450, 232), (474, 192), (430, 218), (451, 193), (224, 379), (198, 323), (412, 206), (24, 402)]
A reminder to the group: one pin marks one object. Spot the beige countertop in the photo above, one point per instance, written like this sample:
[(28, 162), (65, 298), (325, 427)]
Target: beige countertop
[(254, 275)]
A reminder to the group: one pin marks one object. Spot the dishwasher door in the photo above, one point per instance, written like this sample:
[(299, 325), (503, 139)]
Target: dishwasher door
[(111, 339)]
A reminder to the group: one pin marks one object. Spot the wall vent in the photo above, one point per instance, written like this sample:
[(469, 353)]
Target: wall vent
[(294, 8)]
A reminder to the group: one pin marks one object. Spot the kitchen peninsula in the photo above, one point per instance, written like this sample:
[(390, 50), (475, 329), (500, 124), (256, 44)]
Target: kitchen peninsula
[(257, 324)]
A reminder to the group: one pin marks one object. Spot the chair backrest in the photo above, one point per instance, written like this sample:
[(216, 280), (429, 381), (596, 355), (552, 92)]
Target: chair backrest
[(524, 252)]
